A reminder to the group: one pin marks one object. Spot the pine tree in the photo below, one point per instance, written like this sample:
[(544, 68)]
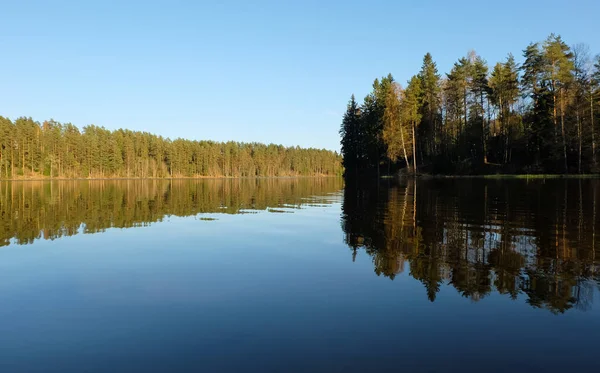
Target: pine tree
[(411, 112), (540, 135), (7, 142), (532, 69), (430, 110), (350, 137), (594, 98), (394, 130), (558, 72), (480, 90), (504, 92)]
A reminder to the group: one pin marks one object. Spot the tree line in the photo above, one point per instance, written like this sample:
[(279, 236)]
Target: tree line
[(534, 239), (537, 116), (51, 209), (29, 149)]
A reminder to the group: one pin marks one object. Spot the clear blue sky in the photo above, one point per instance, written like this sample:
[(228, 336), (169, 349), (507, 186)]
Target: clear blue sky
[(268, 71)]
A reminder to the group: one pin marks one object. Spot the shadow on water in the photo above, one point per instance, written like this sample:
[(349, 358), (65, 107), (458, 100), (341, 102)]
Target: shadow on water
[(47, 210), (515, 237)]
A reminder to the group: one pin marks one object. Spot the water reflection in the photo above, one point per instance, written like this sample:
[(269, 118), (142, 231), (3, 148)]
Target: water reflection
[(48, 210), (515, 237)]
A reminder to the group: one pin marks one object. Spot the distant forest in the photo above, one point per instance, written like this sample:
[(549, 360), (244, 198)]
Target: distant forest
[(539, 116), (29, 149)]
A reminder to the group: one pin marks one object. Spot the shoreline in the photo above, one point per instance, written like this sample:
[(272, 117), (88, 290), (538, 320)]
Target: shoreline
[(508, 176), (166, 178)]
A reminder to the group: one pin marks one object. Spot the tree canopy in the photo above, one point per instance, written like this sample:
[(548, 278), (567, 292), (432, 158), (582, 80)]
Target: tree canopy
[(536, 116), (51, 149)]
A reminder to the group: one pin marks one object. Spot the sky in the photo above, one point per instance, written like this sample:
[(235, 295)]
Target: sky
[(267, 71)]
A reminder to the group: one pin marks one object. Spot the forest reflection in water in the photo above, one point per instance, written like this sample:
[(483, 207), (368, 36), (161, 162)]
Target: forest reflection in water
[(34, 210), (535, 238)]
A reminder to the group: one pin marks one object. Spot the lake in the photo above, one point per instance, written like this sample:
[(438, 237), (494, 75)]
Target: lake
[(300, 275)]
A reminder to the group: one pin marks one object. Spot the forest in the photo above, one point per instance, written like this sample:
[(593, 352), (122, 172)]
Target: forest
[(537, 116), (29, 149)]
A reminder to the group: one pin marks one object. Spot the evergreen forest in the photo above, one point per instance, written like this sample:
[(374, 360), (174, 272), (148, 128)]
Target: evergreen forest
[(536, 115), (29, 149)]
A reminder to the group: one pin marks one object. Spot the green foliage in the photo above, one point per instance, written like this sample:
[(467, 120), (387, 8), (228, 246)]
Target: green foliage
[(350, 133), (539, 117), (51, 149), (394, 130), (429, 130), (412, 101), (558, 67), (411, 111)]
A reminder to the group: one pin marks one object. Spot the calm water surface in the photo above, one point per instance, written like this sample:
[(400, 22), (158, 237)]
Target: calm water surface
[(300, 275)]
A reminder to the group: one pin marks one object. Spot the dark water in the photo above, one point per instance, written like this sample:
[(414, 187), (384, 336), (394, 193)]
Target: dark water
[(300, 275)]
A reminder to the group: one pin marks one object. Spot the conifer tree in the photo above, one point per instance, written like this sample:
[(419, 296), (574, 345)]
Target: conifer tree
[(537, 116), (430, 110), (395, 131), (411, 112), (350, 137), (558, 72)]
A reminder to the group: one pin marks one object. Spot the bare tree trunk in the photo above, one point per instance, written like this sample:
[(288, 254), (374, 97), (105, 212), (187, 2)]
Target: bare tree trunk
[(432, 128), (554, 112), (23, 158), (483, 132), (593, 130), (414, 146), (31, 155), (506, 133), (12, 161), (562, 125), (465, 106), (489, 119)]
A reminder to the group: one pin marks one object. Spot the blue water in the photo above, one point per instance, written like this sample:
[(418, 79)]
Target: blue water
[(263, 292)]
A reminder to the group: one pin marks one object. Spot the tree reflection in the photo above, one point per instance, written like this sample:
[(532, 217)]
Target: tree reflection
[(535, 238), (48, 210)]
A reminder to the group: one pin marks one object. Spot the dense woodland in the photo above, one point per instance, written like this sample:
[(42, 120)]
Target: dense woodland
[(537, 116), (50, 209), (534, 239), (29, 149)]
